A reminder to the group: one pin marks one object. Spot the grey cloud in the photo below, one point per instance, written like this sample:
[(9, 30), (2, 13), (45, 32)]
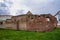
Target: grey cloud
[(2, 5), (36, 8), (20, 11), (3, 9), (4, 12), (51, 7)]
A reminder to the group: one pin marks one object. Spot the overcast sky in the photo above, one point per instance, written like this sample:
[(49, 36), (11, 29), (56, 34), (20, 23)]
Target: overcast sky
[(17, 7)]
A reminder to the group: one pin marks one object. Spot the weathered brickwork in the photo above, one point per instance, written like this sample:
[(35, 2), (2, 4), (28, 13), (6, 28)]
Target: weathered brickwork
[(31, 22), (45, 22)]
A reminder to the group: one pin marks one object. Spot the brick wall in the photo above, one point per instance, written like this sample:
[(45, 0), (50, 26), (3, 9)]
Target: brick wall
[(30, 22)]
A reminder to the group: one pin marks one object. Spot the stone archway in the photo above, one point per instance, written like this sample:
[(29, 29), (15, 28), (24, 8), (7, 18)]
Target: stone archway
[(18, 25)]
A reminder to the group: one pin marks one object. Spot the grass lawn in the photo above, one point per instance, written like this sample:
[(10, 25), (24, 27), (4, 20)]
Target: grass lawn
[(25, 35)]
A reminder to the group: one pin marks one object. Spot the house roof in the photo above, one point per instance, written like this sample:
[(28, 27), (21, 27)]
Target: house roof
[(5, 15), (57, 13)]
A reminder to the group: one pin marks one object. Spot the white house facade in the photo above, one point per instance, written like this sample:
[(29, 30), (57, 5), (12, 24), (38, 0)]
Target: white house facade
[(4, 17)]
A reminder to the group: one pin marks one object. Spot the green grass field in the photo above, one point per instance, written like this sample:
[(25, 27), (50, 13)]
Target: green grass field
[(25, 35)]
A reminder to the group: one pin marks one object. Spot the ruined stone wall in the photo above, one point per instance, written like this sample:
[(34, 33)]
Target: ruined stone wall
[(41, 23), (8, 25), (30, 22), (20, 22)]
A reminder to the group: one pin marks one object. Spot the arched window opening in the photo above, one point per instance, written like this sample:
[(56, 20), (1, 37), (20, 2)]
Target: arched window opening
[(47, 19), (1, 23)]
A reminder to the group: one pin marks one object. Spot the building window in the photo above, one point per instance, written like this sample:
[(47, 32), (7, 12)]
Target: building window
[(38, 16), (47, 19), (31, 17), (59, 19), (1, 23)]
